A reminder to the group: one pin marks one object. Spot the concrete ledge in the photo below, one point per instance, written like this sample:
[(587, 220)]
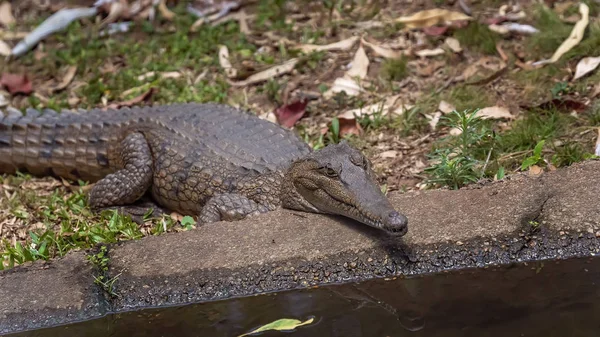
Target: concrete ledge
[(43, 294), (555, 215)]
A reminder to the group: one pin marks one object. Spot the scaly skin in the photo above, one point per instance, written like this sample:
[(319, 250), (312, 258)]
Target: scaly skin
[(210, 161)]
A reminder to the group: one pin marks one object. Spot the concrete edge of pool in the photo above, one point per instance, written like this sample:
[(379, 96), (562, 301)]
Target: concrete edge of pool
[(555, 215)]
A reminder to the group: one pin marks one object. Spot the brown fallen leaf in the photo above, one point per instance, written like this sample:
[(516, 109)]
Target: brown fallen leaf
[(387, 53), (494, 112), (501, 52), (349, 127), (164, 11), (230, 71), (586, 66), (264, 75), (446, 107), (431, 17), (6, 16), (391, 105), (435, 30), (535, 170), (287, 115), (564, 104), (67, 78), (16, 84), (342, 45), (144, 97), (360, 65)]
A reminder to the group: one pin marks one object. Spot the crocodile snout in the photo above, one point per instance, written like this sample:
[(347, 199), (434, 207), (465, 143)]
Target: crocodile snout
[(396, 224)]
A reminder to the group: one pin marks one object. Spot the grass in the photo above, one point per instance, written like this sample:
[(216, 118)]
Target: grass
[(539, 138), (477, 36), (64, 223), (465, 97), (394, 69)]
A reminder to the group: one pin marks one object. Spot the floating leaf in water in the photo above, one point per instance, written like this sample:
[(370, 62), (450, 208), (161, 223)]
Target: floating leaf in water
[(284, 324)]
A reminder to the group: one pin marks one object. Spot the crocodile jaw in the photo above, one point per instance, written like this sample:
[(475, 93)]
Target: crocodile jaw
[(338, 180)]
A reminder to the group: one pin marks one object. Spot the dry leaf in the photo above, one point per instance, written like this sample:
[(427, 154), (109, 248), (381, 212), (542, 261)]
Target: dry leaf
[(164, 11), (349, 127), (576, 34), (535, 170), (340, 45), (446, 107), (430, 52), (453, 44), (6, 16), (388, 154), (4, 48), (494, 112), (16, 84), (585, 66), (359, 68), (502, 30), (343, 84), (264, 75), (163, 75), (230, 71), (384, 52), (360, 65), (144, 97), (390, 105), (434, 119), (431, 17), (519, 28), (69, 75), (289, 114), (435, 30)]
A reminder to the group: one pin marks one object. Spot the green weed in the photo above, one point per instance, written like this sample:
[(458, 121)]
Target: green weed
[(478, 37), (394, 69)]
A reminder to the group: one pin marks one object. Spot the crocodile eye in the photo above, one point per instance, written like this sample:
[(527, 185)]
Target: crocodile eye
[(328, 171)]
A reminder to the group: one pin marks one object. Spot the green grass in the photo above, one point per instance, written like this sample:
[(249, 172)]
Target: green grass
[(66, 224), (465, 97), (478, 37), (394, 69), (180, 50), (552, 32)]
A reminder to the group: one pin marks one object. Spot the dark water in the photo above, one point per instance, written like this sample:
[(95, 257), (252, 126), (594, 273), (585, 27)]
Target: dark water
[(537, 299)]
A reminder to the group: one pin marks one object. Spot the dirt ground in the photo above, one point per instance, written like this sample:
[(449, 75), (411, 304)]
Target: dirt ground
[(368, 71)]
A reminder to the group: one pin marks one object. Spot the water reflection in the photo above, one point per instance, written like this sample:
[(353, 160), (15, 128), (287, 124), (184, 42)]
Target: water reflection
[(540, 299)]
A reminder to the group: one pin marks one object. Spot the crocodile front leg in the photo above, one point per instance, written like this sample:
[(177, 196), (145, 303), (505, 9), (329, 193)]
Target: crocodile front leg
[(229, 207), (128, 184)]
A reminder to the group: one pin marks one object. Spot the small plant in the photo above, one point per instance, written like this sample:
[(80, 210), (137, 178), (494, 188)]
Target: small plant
[(395, 69), (458, 163), (334, 131), (374, 120), (535, 158), (101, 260), (559, 88), (452, 170)]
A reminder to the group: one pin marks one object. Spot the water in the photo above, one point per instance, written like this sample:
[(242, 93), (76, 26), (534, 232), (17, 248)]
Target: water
[(552, 298)]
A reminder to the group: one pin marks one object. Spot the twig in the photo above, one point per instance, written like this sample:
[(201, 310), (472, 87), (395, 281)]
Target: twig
[(487, 160)]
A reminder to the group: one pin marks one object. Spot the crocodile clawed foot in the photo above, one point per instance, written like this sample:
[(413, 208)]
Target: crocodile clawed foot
[(137, 211)]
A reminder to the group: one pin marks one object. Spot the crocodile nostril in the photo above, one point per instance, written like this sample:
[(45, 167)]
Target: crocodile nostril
[(393, 214)]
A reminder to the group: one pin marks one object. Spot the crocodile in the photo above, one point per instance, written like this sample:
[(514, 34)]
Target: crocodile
[(211, 161)]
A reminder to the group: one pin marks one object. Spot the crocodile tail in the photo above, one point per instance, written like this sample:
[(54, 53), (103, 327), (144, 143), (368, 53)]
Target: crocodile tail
[(48, 143)]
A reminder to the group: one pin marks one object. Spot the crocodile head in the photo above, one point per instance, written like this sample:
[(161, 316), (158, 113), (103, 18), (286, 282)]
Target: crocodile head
[(338, 179)]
